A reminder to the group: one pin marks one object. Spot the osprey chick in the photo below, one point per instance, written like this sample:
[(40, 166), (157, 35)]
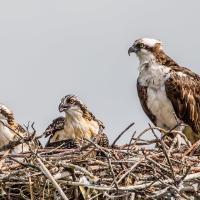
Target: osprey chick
[(10, 130), (78, 123), (167, 91)]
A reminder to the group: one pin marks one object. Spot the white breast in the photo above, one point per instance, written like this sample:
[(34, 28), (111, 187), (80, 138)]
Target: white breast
[(6, 135), (153, 75), (154, 78), (76, 127), (159, 104), (59, 135)]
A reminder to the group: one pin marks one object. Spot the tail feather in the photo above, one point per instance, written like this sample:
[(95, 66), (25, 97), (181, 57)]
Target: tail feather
[(191, 135)]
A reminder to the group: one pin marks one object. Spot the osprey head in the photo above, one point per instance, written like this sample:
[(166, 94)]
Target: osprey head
[(6, 114), (70, 102), (145, 47)]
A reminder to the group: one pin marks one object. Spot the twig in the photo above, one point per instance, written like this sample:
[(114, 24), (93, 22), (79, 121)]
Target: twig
[(31, 189), (130, 170), (50, 177), (131, 188), (72, 166), (118, 137), (166, 155), (24, 164), (108, 159), (131, 141)]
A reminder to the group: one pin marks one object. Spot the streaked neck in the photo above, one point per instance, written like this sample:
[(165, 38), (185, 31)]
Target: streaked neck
[(145, 61), (73, 114), (146, 58)]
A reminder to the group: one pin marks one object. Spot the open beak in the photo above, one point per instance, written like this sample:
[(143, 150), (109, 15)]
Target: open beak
[(63, 107), (132, 49)]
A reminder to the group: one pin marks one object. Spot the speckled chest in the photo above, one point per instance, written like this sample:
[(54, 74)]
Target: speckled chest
[(153, 77)]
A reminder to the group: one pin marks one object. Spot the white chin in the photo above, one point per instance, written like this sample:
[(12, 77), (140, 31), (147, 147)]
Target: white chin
[(73, 110)]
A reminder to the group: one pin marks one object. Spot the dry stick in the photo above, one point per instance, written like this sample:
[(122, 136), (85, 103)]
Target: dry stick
[(193, 148), (50, 177), (129, 171), (108, 159), (158, 165), (172, 189), (81, 169), (24, 164), (186, 173), (15, 173), (166, 154), (160, 193), (95, 197), (115, 196), (131, 141), (31, 189), (164, 131), (172, 130), (140, 135), (174, 142), (122, 134), (134, 188)]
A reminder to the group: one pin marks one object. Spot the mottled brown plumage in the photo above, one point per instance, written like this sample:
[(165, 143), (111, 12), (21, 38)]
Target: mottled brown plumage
[(67, 144), (10, 130), (77, 124), (11, 123), (184, 94), (159, 76), (56, 125), (102, 140), (142, 92)]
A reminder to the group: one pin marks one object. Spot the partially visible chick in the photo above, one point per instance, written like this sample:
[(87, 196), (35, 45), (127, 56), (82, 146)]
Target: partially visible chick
[(77, 124), (10, 130)]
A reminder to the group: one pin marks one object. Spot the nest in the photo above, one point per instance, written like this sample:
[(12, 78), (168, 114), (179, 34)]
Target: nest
[(143, 169)]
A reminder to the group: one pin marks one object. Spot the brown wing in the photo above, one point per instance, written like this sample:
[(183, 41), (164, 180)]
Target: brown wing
[(102, 140), (56, 125), (68, 144), (184, 93), (142, 93), (20, 128)]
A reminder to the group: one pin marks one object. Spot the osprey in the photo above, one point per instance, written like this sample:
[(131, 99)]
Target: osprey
[(167, 91), (10, 130), (77, 124)]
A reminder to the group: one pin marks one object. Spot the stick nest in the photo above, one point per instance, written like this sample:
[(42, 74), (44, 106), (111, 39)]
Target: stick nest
[(142, 169)]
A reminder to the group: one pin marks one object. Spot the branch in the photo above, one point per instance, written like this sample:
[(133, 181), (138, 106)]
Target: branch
[(118, 137), (50, 177)]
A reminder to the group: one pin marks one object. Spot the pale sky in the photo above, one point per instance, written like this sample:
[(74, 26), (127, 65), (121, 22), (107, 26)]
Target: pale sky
[(52, 48)]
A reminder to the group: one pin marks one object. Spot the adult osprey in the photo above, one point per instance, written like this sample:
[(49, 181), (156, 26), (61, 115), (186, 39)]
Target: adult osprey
[(77, 124), (167, 91), (10, 130)]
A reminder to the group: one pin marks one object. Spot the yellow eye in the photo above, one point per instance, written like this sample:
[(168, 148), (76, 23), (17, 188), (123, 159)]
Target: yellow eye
[(141, 45), (71, 101)]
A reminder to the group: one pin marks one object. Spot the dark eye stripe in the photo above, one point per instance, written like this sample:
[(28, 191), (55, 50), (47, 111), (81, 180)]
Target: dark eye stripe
[(141, 45)]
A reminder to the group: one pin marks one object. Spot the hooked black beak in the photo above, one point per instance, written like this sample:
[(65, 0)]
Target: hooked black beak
[(63, 107), (132, 49)]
